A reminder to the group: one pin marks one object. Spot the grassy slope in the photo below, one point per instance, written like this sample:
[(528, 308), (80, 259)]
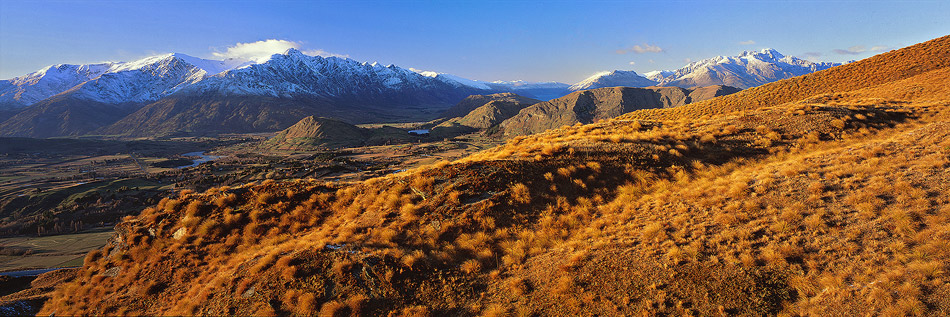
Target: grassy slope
[(837, 203)]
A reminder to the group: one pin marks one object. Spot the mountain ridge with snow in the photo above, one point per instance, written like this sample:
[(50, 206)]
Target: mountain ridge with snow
[(152, 78), (299, 84), (746, 70)]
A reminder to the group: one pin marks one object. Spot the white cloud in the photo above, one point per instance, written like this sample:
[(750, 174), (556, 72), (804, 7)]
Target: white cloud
[(749, 42), (812, 56), (647, 48), (256, 50), (319, 52), (264, 49), (858, 49), (640, 49), (854, 50), (633, 63)]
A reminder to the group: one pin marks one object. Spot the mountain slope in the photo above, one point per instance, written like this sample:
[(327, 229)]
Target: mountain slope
[(710, 92), (603, 103), (814, 206), (61, 116), (314, 131), (470, 103), (490, 114), (209, 115), (484, 118)]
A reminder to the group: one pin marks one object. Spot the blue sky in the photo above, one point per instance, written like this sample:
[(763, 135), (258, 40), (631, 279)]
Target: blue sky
[(487, 40)]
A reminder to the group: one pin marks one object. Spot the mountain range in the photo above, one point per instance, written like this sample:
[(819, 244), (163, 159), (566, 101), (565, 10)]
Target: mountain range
[(176, 94)]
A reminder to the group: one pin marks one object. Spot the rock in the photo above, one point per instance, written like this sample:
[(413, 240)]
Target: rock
[(111, 272), (180, 233), (249, 292)]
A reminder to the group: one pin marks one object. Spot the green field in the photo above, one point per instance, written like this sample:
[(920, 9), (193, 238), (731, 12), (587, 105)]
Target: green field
[(51, 251)]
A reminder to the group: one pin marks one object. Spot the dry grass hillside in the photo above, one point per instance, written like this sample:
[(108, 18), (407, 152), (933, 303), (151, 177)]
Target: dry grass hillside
[(803, 201)]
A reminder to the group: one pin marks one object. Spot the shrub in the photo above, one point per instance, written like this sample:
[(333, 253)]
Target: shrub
[(471, 266), (333, 309), (415, 311), (520, 193), (495, 310)]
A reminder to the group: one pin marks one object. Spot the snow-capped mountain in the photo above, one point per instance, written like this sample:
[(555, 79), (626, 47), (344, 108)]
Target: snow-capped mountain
[(143, 80), (658, 75), (30, 88), (624, 78), (746, 70), (293, 74)]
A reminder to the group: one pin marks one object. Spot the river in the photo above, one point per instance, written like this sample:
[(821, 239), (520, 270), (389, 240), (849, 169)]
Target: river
[(201, 158)]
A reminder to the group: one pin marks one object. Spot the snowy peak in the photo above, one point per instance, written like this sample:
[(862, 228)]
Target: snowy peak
[(748, 69), (625, 78), (44, 83), (145, 79), (293, 73), (212, 67), (658, 75), (766, 54)]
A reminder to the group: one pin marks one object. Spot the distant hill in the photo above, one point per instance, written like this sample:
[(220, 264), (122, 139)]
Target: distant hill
[(479, 113), (315, 132), (472, 102), (602, 103)]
